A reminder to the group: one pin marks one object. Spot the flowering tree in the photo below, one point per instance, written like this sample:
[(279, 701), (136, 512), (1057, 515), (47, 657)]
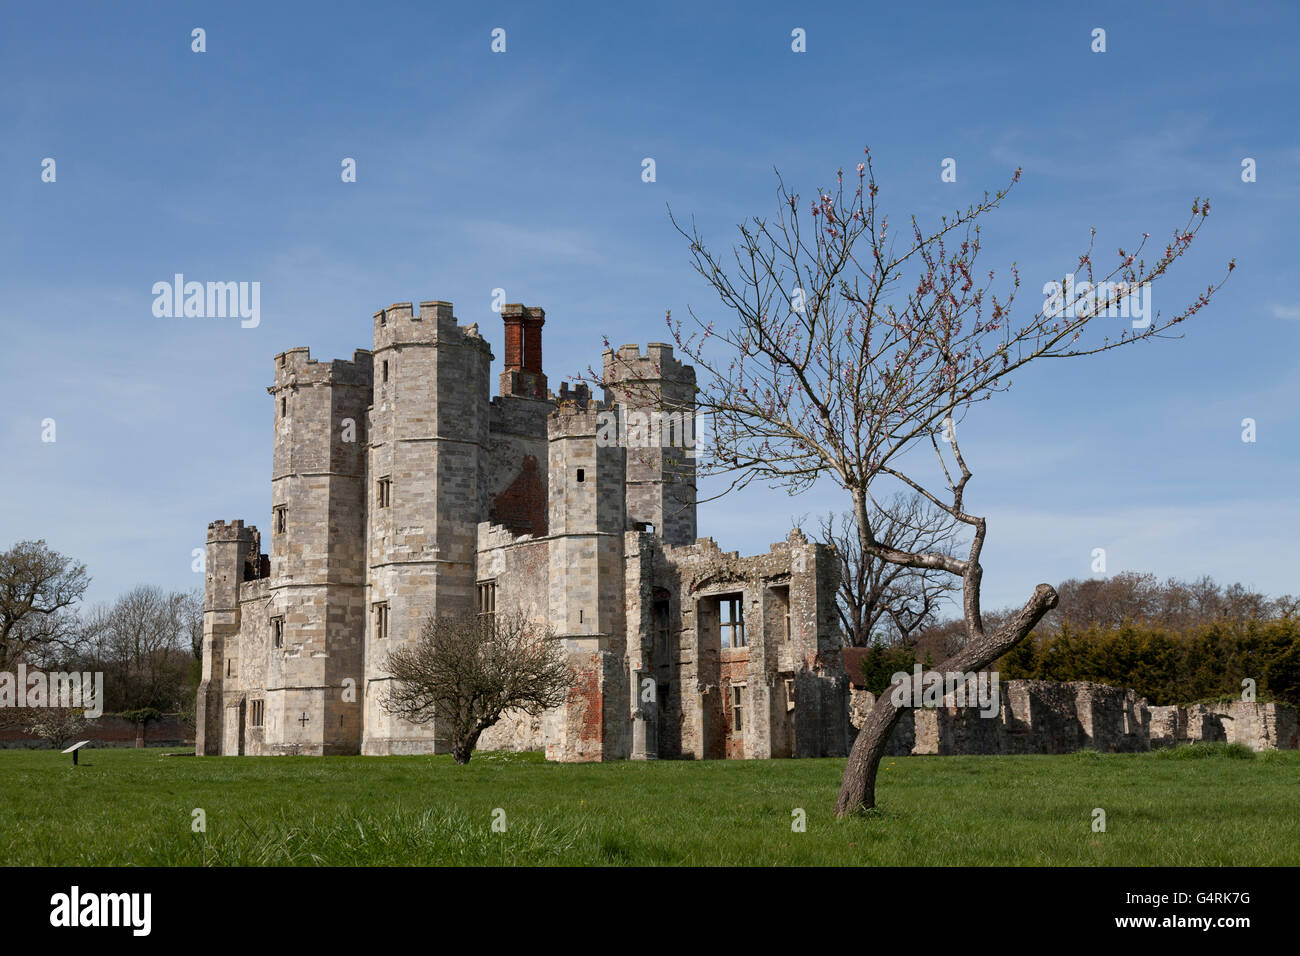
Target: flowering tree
[(846, 347)]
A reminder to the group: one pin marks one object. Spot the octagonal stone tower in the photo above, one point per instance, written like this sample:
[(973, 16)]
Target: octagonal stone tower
[(428, 456)]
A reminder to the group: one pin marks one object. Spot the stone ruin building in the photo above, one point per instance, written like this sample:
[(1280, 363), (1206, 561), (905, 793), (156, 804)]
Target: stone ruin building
[(401, 489)]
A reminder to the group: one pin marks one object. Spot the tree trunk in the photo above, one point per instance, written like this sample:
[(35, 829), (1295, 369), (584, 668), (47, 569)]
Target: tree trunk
[(139, 735), (858, 789), (463, 749)]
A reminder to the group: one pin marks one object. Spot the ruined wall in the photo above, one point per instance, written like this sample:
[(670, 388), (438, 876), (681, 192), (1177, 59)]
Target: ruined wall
[(1258, 726), (792, 690), (1048, 717), (520, 567), (231, 552), (517, 473)]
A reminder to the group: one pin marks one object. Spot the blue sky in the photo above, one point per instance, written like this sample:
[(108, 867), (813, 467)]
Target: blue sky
[(522, 171)]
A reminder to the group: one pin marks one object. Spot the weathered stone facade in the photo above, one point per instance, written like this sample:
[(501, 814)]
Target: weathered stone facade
[(1047, 717), (401, 490)]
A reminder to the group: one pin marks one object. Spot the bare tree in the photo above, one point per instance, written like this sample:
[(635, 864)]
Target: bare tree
[(466, 672), (888, 602), (1139, 597), (847, 347), (38, 587), (142, 643)]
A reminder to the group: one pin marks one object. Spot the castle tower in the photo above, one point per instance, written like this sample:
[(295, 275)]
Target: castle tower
[(587, 519), (427, 477), (656, 397), (314, 635), (231, 557)]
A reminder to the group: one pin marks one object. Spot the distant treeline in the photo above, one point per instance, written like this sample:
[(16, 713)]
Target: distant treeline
[(1172, 641), (1168, 666)]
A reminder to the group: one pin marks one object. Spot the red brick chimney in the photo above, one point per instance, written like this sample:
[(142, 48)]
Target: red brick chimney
[(523, 376)]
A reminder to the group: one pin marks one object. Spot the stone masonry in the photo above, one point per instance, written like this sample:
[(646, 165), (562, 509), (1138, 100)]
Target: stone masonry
[(400, 490), (1047, 717)]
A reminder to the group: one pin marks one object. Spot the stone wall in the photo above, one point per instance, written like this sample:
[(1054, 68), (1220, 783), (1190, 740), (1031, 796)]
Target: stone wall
[(1258, 726), (111, 730), (792, 688), (1047, 717)]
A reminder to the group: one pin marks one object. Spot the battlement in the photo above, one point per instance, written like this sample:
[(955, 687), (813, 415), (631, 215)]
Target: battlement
[(295, 367), (400, 324), (579, 396), (232, 531), (572, 419), (432, 310), (658, 362)]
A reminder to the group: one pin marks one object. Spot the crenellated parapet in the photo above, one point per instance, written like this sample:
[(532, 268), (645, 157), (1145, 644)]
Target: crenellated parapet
[(628, 364), (296, 368), (402, 324), (577, 415)]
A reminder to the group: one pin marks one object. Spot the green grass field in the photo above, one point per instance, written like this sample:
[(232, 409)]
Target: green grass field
[(135, 807)]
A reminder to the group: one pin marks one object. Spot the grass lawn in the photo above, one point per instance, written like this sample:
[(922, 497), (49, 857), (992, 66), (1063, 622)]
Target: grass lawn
[(136, 806)]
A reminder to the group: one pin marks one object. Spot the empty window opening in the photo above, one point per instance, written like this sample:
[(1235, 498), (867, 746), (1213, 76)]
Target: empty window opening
[(582, 475), (384, 492), (777, 622), (259, 712), (661, 626), (737, 707), (381, 620), (731, 620), (284, 406), (385, 370), (277, 632), (281, 519), (487, 600)]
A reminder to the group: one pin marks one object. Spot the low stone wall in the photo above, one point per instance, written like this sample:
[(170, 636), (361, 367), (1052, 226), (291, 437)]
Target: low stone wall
[(515, 730), (1047, 717), (112, 731), (1258, 726)]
